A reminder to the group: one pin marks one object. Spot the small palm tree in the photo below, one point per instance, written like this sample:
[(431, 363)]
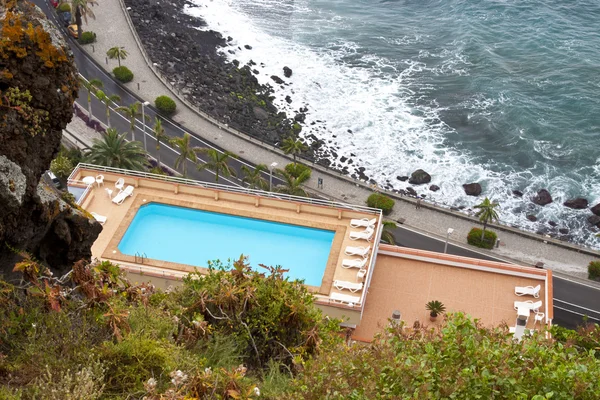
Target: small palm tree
[(82, 10), (217, 162), (435, 307), (108, 101), (114, 151), (117, 52), (486, 213), (254, 177), (131, 111), (293, 146), (91, 86), (387, 235), (186, 151), (159, 134), (292, 185)]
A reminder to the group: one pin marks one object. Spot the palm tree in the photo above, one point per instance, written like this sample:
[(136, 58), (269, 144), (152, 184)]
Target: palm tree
[(81, 9), (486, 213), (115, 151), (117, 52), (107, 100), (292, 185), (131, 111), (387, 235), (217, 162), (185, 150), (91, 86), (293, 146), (159, 134), (254, 177)]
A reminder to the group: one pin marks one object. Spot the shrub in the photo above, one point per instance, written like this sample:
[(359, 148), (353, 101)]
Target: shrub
[(63, 7), (61, 166), (123, 74), (165, 104), (594, 270), (489, 239), (295, 169), (381, 201), (87, 37)]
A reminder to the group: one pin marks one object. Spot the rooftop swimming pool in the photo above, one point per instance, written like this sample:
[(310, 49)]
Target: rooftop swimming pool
[(193, 237), (76, 191)]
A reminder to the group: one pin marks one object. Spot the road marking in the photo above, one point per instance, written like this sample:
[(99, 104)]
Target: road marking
[(575, 305), (576, 282), (575, 312)]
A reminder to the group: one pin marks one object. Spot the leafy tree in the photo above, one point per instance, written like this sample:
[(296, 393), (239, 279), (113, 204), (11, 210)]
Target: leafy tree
[(184, 147), (82, 10), (254, 177), (217, 162), (293, 146), (387, 235), (115, 151), (117, 52), (61, 166), (486, 213), (131, 112), (292, 185), (91, 86), (108, 101), (159, 134)]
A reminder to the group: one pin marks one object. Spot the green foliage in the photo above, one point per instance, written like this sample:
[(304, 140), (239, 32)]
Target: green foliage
[(387, 235), (18, 103), (72, 153), (381, 201), (218, 162), (295, 169), (254, 178), (87, 38), (489, 238), (63, 7), (594, 270), (117, 52), (68, 197), (435, 307), (165, 104), (114, 151), (123, 74), (294, 146), (61, 166), (291, 185)]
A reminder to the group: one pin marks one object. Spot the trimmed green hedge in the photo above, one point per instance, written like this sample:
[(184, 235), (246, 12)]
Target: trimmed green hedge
[(297, 169), (381, 201), (594, 270), (63, 7), (165, 104), (123, 74), (489, 238), (87, 38)]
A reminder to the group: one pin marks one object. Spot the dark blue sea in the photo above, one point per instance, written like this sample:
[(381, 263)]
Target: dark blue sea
[(504, 93)]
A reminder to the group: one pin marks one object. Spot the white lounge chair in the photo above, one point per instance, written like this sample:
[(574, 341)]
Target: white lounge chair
[(367, 234), (364, 222), (344, 298), (119, 184), (357, 251), (354, 263), (120, 198), (528, 290), (535, 307), (345, 285), (99, 218)]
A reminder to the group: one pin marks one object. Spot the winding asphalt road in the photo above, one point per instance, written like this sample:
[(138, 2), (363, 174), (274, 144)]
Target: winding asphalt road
[(573, 300)]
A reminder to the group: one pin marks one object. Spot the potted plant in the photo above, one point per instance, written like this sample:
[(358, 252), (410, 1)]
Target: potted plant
[(435, 307)]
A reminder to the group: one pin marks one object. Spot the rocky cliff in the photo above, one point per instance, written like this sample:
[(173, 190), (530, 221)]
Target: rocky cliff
[(38, 84)]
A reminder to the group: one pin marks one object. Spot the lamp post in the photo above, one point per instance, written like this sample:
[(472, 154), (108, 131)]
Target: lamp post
[(448, 233), (271, 168), (144, 104)]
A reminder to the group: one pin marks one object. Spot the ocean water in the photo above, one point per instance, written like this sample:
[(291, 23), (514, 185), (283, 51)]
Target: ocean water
[(504, 93)]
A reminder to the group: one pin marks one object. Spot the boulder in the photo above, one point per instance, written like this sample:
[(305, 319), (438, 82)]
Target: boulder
[(596, 209), (517, 193), (402, 178), (552, 223), (577, 204), (277, 79), (411, 191), (564, 231), (260, 113), (288, 99), (419, 177), (472, 189), (300, 117), (287, 72), (532, 218), (594, 220), (542, 198), (434, 188), (248, 47)]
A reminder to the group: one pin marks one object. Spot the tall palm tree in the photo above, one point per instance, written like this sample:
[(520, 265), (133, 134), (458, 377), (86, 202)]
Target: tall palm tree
[(131, 111), (486, 213), (254, 177), (293, 146), (217, 162), (159, 134), (82, 10), (292, 185), (91, 86), (387, 235), (115, 151), (185, 150), (117, 52), (108, 101)]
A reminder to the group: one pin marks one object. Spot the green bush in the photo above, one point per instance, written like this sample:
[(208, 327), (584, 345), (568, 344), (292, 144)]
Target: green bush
[(123, 74), (165, 104), (594, 270), (61, 166), (297, 169), (381, 201), (87, 38), (64, 7), (489, 238)]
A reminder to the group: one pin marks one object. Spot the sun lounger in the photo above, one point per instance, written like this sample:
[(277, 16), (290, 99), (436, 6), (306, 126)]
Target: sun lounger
[(119, 184), (120, 198), (357, 251), (98, 217), (535, 307), (345, 285), (354, 263), (364, 222), (364, 235), (344, 298), (528, 290)]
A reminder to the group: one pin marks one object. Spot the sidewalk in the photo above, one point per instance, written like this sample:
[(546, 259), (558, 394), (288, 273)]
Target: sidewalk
[(113, 29)]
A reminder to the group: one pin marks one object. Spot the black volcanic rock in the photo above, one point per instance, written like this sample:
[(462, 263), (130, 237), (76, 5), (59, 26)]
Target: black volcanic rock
[(596, 209), (532, 218), (434, 188), (402, 178), (542, 198), (472, 189), (517, 193), (277, 79), (552, 223), (411, 191), (594, 220), (564, 231), (287, 72), (577, 204), (419, 177)]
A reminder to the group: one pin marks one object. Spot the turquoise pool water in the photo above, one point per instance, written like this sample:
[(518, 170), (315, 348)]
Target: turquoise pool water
[(193, 237)]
